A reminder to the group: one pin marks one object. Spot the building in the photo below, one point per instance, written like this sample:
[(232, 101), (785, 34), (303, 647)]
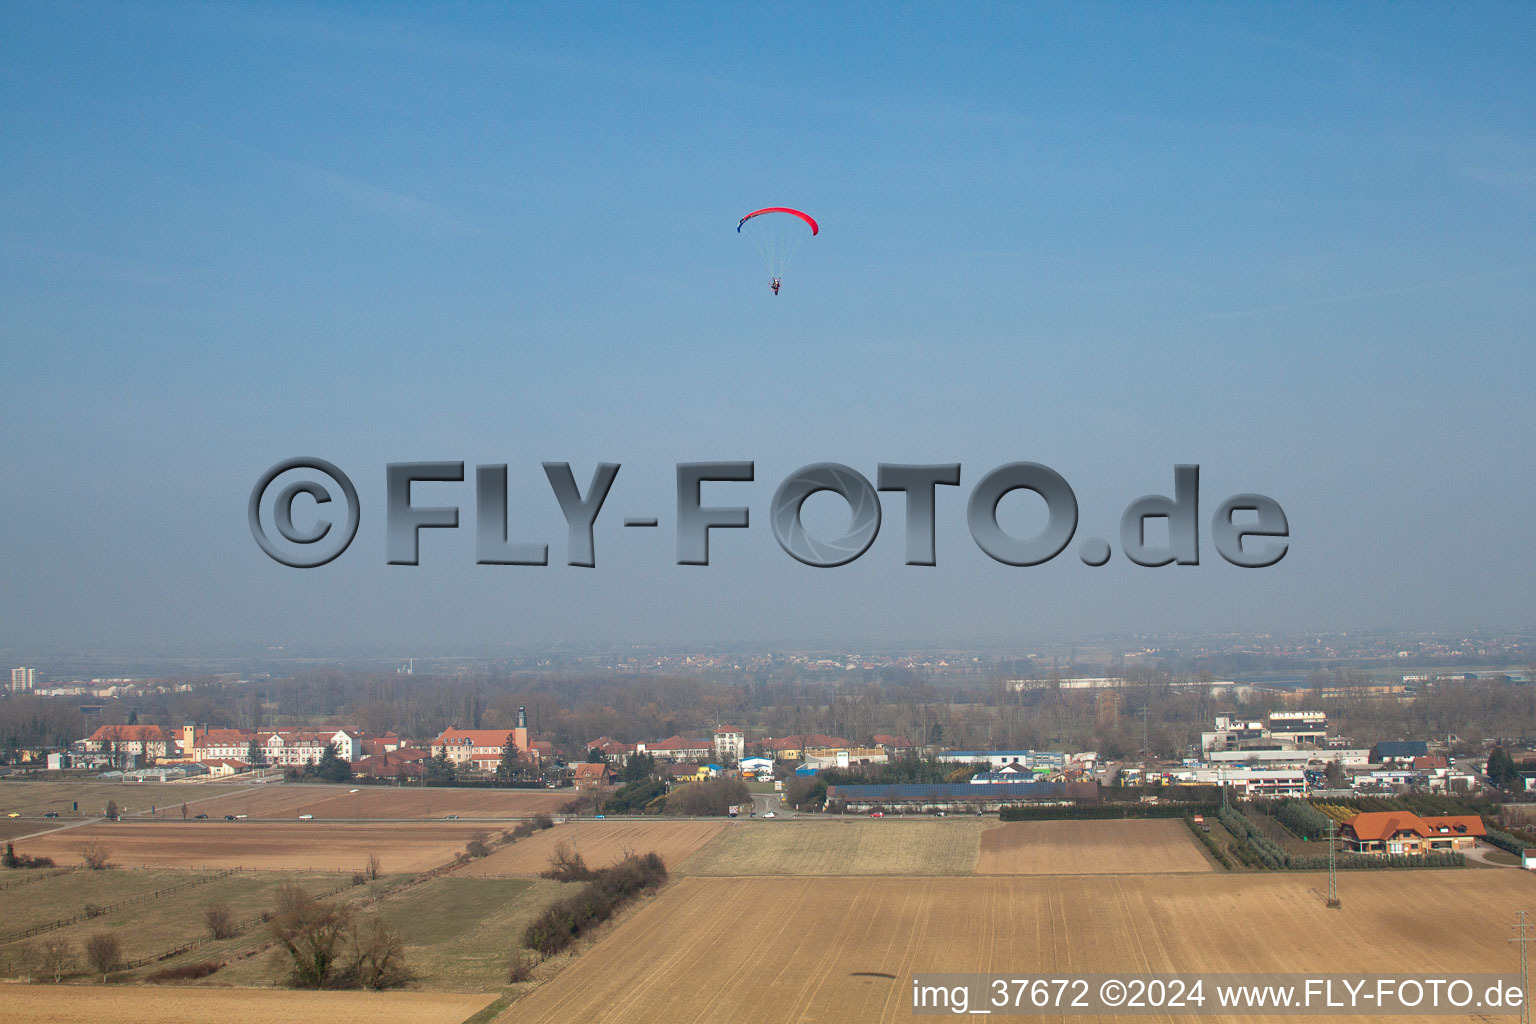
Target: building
[(730, 743), (119, 743), (613, 751), (678, 749), (1284, 730), (480, 749), (591, 775), (1403, 832), (996, 760), (23, 680), (1387, 753)]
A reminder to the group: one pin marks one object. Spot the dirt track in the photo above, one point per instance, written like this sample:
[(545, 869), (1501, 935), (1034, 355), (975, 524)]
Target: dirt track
[(1128, 847)]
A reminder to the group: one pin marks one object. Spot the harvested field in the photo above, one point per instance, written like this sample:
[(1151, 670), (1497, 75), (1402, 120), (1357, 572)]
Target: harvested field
[(78, 1004), (263, 846), (600, 844), (814, 947), (855, 846), (1130, 847), (37, 798)]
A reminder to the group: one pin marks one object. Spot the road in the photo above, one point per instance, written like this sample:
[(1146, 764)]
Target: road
[(765, 802)]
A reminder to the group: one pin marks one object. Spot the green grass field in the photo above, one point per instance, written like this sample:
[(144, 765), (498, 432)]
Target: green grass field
[(856, 846)]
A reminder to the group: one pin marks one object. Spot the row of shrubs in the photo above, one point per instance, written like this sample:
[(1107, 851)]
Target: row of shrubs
[(604, 892), (1253, 848), (1069, 812), (1506, 841), (1303, 819), (12, 859), (1209, 843)]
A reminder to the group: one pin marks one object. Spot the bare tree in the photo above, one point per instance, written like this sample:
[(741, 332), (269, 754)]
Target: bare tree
[(373, 869), (378, 954), (103, 952), (96, 856), (220, 921), (54, 958), (312, 933)]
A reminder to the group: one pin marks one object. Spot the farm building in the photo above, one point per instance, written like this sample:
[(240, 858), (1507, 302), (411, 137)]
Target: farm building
[(1405, 832)]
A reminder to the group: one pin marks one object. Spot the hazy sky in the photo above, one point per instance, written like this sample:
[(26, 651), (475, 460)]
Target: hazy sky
[(1295, 244)]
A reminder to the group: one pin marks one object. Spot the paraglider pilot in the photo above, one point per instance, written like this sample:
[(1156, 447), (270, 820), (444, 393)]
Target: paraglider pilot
[(775, 286)]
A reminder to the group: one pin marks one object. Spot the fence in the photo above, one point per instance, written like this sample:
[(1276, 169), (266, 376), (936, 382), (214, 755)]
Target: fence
[(110, 908)]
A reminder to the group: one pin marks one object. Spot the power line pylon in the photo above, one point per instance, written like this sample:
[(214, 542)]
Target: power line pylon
[(1333, 872), (1523, 936)]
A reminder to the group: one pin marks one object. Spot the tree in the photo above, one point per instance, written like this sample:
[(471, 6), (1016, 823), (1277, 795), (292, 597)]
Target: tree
[(255, 756), (511, 764), (95, 856), (1335, 773), (373, 868), (639, 766), (112, 813), (103, 952), (1501, 768), (331, 767), (54, 958), (183, 812), (595, 756), (220, 920), (378, 954), (311, 932), (440, 769)]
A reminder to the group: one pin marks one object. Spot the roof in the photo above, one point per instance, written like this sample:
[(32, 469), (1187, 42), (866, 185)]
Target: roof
[(810, 739), (1377, 826), (129, 734), (1400, 748), (885, 740), (679, 743), (474, 737), (590, 771)]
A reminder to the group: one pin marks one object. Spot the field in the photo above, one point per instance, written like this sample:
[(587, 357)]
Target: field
[(799, 949), (291, 800), (265, 846), (78, 1004), (37, 798), (147, 928), (1151, 846), (600, 844), (855, 846)]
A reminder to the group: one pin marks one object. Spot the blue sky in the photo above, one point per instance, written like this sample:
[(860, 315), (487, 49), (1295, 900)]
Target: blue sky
[(1293, 244)]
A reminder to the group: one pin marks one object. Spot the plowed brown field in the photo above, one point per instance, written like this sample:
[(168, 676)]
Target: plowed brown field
[(76, 1004), (790, 950), (1090, 848), (262, 846), (600, 844)]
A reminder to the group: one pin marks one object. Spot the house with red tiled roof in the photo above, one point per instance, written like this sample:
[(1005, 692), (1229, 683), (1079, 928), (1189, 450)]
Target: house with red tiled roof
[(1406, 832), (591, 775), (121, 742)]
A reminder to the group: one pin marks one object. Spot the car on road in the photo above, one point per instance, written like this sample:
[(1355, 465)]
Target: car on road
[(877, 814), (603, 816), (51, 814), (768, 814), (452, 817), (14, 814), (306, 817), (229, 817), (200, 817)]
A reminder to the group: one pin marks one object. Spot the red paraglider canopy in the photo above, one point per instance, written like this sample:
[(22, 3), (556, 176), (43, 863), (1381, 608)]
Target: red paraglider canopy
[(780, 209)]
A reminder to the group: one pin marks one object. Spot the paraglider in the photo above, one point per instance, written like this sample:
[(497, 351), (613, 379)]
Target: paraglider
[(777, 231)]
